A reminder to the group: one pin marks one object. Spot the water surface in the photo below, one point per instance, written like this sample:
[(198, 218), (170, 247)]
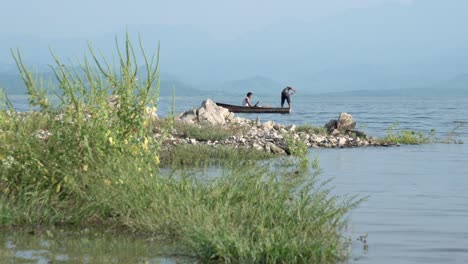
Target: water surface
[(84, 246), (417, 206)]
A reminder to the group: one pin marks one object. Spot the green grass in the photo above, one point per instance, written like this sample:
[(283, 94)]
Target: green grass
[(204, 132), (395, 136), (311, 129), (190, 155), (248, 213), (100, 165)]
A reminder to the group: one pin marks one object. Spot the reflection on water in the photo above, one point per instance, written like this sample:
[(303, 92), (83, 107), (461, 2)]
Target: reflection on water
[(88, 246)]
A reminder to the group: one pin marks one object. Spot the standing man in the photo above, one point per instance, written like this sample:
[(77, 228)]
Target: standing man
[(285, 95)]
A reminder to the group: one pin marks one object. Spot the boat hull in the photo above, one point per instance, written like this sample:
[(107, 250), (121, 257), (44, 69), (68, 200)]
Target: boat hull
[(259, 110)]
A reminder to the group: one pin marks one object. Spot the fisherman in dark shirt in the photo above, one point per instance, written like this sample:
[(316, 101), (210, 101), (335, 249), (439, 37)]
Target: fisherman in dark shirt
[(285, 95)]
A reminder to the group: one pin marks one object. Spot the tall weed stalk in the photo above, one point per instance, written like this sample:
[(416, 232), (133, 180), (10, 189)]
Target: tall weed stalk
[(103, 113)]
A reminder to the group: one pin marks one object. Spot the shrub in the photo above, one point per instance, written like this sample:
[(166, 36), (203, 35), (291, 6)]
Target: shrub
[(406, 136), (296, 146)]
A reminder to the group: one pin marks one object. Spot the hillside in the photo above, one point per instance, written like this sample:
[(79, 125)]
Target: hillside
[(13, 85)]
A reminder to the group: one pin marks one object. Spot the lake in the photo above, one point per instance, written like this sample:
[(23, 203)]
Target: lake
[(417, 205)]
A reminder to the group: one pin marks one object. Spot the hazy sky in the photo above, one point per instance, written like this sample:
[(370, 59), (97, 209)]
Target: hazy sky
[(220, 18), (337, 44)]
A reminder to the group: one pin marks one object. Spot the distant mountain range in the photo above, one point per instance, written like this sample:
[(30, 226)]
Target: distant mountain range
[(386, 46), (457, 86), (263, 86), (14, 85)]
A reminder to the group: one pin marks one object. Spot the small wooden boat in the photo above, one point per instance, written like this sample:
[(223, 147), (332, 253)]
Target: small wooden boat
[(256, 109)]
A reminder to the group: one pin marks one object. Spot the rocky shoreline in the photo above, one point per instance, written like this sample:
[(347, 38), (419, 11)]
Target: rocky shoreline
[(269, 136)]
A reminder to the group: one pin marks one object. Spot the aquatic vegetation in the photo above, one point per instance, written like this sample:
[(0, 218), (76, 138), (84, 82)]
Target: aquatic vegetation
[(453, 136), (249, 214), (395, 136)]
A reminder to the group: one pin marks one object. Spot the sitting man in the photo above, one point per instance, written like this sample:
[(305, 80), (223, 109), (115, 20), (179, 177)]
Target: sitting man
[(246, 101)]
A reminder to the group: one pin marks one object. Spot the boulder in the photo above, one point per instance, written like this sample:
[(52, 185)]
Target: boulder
[(209, 113), (271, 147), (189, 116), (331, 125), (356, 134), (345, 122)]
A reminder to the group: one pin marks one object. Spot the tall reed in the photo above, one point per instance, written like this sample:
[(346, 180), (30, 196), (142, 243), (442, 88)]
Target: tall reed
[(103, 112)]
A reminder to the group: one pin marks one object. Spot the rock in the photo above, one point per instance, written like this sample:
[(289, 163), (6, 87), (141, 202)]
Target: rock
[(271, 147), (211, 113), (189, 116), (345, 122), (268, 125), (268, 136), (342, 142), (331, 125), (257, 122), (208, 113), (318, 139), (239, 120), (356, 134), (334, 132), (257, 146), (230, 117), (291, 128)]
